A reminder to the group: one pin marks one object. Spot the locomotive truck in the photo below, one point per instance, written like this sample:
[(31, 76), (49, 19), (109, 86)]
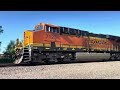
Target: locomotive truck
[(52, 43)]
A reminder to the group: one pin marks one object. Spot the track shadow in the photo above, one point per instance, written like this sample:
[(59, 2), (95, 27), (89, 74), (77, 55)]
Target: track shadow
[(73, 62), (8, 65), (41, 64)]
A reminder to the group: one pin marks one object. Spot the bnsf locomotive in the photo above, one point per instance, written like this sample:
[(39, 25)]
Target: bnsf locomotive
[(51, 43)]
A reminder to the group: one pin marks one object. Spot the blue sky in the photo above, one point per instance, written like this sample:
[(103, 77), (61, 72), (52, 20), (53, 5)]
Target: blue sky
[(15, 23)]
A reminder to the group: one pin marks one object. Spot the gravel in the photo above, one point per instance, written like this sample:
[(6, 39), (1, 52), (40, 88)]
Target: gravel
[(91, 70)]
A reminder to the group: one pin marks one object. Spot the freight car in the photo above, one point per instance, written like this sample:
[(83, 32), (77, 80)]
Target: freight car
[(52, 43)]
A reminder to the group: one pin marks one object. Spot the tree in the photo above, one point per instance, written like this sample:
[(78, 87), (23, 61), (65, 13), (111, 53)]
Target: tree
[(1, 31), (10, 49)]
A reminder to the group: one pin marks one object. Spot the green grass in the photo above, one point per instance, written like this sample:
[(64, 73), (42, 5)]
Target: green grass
[(6, 60)]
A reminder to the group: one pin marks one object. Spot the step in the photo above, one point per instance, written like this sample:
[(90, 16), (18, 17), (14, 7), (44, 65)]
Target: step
[(26, 52), (25, 55), (26, 60), (25, 48)]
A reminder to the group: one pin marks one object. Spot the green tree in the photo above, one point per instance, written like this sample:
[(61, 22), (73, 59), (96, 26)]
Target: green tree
[(1, 31), (10, 49)]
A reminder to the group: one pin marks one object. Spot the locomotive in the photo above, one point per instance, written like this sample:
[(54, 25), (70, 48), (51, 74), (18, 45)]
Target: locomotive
[(52, 43)]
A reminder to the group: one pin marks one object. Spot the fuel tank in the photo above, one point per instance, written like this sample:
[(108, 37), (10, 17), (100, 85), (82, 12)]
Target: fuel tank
[(80, 56)]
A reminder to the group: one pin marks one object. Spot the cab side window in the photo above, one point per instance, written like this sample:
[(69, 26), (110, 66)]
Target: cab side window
[(71, 31), (79, 32), (52, 29), (47, 28), (66, 30)]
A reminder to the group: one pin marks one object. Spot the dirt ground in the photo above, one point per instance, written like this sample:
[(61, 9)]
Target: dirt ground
[(91, 70)]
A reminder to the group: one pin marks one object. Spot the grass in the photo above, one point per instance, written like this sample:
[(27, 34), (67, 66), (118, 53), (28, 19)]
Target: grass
[(6, 60)]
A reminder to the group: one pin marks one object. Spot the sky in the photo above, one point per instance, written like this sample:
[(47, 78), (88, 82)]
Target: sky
[(15, 23)]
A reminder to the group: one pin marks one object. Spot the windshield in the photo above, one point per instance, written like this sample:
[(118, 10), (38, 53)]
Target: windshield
[(39, 28)]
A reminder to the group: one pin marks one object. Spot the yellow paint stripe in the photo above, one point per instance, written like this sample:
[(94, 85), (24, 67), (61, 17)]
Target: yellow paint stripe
[(64, 48), (79, 46), (47, 48), (73, 48), (37, 44), (57, 45), (47, 45)]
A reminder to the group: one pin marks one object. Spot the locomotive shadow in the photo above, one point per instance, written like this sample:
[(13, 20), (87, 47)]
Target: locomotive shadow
[(72, 62), (41, 64)]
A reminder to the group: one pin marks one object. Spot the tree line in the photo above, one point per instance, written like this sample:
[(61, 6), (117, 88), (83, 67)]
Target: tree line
[(9, 52)]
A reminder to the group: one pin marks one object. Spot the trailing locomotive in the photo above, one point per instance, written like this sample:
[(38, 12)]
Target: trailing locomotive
[(51, 43)]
